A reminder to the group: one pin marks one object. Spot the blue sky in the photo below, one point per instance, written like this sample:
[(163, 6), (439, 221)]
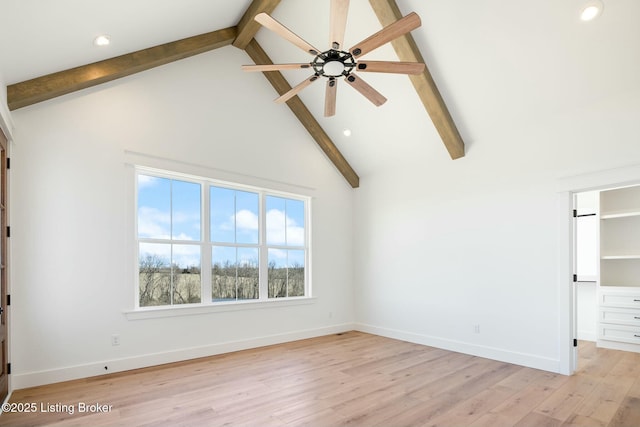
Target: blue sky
[(171, 209)]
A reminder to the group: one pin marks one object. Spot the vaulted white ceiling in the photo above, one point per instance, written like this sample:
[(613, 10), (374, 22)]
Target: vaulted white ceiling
[(500, 65)]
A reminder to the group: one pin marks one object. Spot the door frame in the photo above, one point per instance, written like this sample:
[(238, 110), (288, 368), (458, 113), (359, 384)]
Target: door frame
[(566, 189), (5, 385)]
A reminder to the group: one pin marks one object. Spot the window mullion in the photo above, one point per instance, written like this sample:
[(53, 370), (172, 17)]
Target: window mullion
[(286, 226), (171, 263), (263, 252), (206, 251), (307, 247), (171, 275)]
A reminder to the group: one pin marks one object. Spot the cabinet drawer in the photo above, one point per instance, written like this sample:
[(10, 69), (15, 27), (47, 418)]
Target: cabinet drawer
[(629, 300), (620, 316), (622, 333)]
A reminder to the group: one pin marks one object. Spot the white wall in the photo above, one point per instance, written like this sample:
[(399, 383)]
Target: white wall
[(71, 210), (443, 246)]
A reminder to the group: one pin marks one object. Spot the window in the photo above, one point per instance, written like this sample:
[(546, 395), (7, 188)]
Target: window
[(236, 244), (206, 242), (169, 236), (285, 246)]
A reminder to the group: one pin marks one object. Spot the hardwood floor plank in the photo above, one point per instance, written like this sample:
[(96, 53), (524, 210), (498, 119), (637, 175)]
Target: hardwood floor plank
[(628, 366), (466, 381), (602, 404), (607, 361), (563, 402), (628, 415), (582, 421), (635, 388), (327, 418), (538, 420), (352, 379), (526, 377), (524, 401), (470, 410)]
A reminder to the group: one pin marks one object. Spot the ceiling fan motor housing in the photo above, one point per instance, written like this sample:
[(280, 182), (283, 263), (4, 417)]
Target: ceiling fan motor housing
[(333, 63)]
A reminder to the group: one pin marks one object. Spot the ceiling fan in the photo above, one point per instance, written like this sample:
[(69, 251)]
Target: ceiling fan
[(336, 62)]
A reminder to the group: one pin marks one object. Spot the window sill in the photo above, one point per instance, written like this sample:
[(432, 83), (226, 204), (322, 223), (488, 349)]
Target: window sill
[(196, 309)]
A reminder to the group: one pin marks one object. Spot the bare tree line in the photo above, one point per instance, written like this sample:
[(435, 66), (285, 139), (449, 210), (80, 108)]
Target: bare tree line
[(164, 284), (233, 281), (286, 282)]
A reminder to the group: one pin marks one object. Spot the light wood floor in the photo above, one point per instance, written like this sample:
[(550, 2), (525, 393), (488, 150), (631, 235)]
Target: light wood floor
[(352, 379)]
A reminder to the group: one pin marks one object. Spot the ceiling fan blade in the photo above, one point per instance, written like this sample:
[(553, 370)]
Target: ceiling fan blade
[(366, 90), (294, 91), (275, 67), (390, 67), (338, 25), (268, 22), (388, 33), (330, 98)]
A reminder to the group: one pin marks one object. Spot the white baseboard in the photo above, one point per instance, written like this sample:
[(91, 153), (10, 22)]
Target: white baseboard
[(587, 336), (522, 359), (617, 345), (32, 379)]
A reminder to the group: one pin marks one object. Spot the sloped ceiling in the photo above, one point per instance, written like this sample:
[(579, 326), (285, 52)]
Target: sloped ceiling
[(498, 65)]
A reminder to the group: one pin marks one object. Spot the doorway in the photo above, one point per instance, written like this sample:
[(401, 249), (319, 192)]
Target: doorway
[(606, 268), (566, 188)]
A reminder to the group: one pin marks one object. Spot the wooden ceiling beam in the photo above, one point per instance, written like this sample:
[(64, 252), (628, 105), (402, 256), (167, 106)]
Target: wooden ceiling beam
[(248, 27), (407, 50), (53, 85), (280, 84)]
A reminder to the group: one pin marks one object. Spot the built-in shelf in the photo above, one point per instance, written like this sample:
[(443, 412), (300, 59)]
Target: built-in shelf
[(619, 282), (605, 257), (621, 214)]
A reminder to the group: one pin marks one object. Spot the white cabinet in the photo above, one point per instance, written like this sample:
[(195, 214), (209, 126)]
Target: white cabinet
[(619, 275), (619, 318)]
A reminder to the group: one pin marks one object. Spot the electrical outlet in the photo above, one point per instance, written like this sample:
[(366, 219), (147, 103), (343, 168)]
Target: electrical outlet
[(476, 329), (115, 339)]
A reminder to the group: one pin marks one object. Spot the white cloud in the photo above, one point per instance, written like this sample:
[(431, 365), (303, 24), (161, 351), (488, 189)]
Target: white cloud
[(186, 255), (162, 251), (153, 223), (156, 224), (246, 220), (295, 235), (146, 181), (181, 217), (283, 229)]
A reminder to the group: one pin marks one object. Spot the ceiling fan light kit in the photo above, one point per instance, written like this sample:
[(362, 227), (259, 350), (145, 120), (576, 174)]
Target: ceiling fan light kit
[(337, 63)]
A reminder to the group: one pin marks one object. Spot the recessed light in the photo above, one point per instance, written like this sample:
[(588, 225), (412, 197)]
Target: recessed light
[(102, 40), (346, 132), (591, 10)]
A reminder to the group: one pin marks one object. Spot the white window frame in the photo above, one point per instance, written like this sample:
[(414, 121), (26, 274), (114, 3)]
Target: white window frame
[(206, 245)]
